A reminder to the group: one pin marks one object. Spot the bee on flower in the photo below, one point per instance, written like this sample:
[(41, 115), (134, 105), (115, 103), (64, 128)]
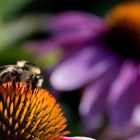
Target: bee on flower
[(28, 113)]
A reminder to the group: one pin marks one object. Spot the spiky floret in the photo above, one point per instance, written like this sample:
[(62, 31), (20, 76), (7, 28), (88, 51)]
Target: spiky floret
[(29, 114)]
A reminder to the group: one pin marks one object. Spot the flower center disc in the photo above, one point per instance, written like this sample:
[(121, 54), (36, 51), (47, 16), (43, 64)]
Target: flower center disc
[(27, 114), (123, 33)]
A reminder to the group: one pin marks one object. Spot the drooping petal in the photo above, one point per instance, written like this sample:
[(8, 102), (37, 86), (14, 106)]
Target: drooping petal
[(76, 138), (93, 102), (41, 47), (135, 119), (67, 42), (124, 94), (120, 133), (135, 137), (69, 30), (125, 78), (72, 20), (87, 64)]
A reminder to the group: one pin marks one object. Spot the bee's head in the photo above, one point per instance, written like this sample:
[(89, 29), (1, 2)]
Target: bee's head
[(37, 80)]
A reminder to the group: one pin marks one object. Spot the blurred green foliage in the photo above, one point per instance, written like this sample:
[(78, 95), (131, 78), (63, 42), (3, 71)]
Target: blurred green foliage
[(9, 8), (103, 6), (13, 31), (17, 23), (11, 55)]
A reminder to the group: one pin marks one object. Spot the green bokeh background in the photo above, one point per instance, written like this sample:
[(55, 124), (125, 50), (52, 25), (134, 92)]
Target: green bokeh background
[(17, 23)]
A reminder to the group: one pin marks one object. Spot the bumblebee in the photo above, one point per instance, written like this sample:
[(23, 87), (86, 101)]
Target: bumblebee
[(22, 71)]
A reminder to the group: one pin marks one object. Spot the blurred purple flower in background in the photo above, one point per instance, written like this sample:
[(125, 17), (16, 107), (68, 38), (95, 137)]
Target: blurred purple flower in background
[(68, 32), (101, 56)]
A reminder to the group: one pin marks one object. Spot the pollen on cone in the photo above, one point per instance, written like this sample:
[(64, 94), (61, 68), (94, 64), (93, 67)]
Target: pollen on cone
[(29, 114)]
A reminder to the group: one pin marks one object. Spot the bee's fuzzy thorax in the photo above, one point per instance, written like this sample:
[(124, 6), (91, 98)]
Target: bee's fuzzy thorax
[(21, 63), (22, 71)]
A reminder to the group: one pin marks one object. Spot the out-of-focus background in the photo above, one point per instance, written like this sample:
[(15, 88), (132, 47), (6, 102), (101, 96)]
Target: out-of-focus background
[(62, 38), (23, 21)]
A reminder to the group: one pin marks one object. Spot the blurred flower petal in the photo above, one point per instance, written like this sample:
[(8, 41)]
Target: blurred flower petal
[(67, 42), (66, 35), (121, 100), (135, 137), (85, 65), (135, 119), (120, 133), (94, 99), (126, 77), (69, 21)]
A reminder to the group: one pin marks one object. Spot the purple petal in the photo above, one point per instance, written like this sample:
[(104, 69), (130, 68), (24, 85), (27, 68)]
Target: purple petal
[(71, 30), (88, 64), (76, 138), (135, 137), (135, 119), (67, 42), (70, 21), (41, 47), (125, 78), (124, 94), (93, 102), (120, 133)]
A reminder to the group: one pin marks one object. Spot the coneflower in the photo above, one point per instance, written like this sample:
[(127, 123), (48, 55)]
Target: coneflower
[(101, 56), (29, 114)]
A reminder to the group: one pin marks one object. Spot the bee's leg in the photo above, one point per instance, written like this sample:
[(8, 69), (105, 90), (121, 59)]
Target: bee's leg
[(14, 83), (4, 77), (8, 76), (1, 81), (29, 86), (33, 84), (14, 77)]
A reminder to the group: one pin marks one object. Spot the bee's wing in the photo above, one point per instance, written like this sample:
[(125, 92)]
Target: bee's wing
[(7, 68), (4, 67), (9, 73)]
